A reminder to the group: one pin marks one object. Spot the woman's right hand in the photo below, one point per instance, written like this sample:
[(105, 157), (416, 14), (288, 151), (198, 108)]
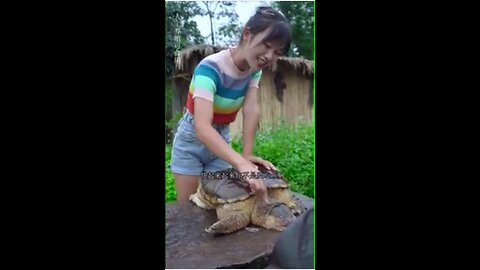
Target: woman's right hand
[(252, 176)]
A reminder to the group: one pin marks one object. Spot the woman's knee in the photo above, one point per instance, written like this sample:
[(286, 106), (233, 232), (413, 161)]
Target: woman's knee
[(185, 185)]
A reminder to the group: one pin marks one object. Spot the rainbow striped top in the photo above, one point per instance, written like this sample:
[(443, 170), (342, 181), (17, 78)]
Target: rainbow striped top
[(217, 79)]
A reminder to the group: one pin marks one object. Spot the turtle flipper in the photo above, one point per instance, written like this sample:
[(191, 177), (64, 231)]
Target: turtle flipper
[(229, 224)]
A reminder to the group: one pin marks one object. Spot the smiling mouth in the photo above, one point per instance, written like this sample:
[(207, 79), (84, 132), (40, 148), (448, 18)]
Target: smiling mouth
[(261, 62)]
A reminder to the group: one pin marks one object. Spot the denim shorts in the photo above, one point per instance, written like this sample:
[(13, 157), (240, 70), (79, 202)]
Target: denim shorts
[(189, 155)]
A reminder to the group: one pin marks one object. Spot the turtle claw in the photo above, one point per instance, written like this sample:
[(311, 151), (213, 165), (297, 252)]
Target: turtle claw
[(229, 224), (296, 212), (253, 230), (296, 206)]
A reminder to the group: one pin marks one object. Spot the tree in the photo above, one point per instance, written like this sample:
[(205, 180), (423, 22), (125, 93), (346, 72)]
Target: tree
[(180, 30), (300, 14), (230, 31)]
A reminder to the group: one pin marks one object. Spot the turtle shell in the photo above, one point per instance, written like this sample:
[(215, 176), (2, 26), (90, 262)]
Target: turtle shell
[(274, 182), (272, 179), (227, 187), (224, 187)]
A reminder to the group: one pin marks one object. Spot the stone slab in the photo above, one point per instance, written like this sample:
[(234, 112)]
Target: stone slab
[(190, 247)]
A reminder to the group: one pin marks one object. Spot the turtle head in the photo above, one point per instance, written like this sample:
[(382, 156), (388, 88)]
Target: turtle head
[(278, 216)]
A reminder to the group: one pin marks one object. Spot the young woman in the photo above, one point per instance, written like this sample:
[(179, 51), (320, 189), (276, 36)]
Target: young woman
[(223, 83)]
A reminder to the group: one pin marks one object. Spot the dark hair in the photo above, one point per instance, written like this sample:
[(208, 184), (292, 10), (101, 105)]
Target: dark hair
[(265, 18)]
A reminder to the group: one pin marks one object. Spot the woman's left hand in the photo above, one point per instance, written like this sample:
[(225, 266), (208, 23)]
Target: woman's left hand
[(265, 163)]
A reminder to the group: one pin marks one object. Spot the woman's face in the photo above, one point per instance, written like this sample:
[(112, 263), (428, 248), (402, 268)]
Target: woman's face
[(260, 53)]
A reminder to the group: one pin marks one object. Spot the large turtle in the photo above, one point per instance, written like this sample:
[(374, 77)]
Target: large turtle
[(237, 207)]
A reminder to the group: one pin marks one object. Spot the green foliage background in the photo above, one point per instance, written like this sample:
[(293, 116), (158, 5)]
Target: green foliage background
[(300, 15)]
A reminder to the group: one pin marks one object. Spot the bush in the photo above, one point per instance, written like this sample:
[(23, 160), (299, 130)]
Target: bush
[(290, 149), (170, 127), (170, 194)]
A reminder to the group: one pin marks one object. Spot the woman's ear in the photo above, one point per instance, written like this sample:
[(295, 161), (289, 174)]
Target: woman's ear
[(246, 34)]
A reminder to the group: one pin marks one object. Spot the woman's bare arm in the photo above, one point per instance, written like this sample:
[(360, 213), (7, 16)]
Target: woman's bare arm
[(215, 143)]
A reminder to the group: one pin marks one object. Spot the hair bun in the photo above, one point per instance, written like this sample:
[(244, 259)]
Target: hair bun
[(269, 11)]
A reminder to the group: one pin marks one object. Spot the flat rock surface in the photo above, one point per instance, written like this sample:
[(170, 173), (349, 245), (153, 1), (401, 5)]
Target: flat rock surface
[(189, 246)]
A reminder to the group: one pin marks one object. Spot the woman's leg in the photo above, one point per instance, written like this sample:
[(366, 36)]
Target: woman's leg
[(185, 185), (185, 161)]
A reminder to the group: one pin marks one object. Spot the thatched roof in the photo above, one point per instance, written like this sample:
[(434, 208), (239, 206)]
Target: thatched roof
[(298, 64), (188, 58)]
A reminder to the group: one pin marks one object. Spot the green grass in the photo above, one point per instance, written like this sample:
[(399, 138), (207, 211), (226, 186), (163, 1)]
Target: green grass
[(290, 149), (170, 194)]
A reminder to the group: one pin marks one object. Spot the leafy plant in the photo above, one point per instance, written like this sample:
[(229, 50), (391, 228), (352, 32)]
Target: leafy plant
[(170, 127), (170, 194), (291, 150)]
